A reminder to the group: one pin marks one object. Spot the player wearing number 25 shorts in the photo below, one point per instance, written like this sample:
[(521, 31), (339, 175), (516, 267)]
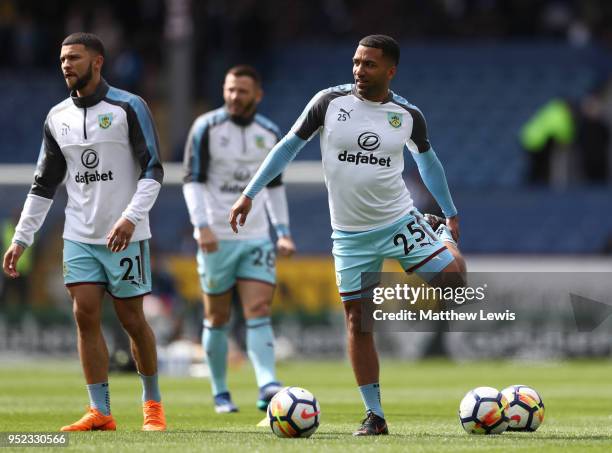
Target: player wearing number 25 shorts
[(363, 130), (410, 240)]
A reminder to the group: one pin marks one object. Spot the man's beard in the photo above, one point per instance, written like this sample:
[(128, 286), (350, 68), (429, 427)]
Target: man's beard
[(247, 109), (82, 81)]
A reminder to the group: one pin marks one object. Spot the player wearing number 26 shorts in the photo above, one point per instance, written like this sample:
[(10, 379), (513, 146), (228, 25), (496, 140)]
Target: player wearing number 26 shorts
[(224, 149)]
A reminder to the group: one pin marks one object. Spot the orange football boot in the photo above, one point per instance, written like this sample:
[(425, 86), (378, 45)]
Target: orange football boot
[(154, 418), (93, 420)]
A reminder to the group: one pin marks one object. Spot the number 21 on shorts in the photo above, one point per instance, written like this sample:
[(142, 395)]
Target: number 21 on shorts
[(128, 263)]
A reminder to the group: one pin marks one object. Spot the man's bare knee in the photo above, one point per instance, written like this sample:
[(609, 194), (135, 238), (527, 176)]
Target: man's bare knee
[(87, 318), (217, 318), (217, 309), (256, 298), (257, 309)]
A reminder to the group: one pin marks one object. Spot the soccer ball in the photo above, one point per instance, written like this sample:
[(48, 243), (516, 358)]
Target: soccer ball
[(294, 412), (484, 411), (526, 411)]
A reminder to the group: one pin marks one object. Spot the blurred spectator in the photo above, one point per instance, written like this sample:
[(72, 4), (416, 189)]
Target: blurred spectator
[(548, 132), (562, 138)]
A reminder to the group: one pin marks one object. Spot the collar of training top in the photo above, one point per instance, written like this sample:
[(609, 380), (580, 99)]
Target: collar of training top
[(389, 97), (92, 99)]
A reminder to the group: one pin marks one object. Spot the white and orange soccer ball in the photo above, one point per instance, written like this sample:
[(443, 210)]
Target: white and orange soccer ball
[(484, 411), (526, 411), (294, 412)]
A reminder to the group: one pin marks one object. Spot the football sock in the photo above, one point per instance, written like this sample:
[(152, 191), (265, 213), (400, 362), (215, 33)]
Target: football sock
[(370, 394), (260, 348), (214, 340), (150, 388), (99, 397), (444, 234)]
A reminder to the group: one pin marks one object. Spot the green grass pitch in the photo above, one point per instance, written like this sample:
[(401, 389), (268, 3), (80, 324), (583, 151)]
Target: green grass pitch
[(420, 400)]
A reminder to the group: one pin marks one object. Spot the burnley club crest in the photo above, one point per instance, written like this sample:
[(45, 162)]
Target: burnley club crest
[(395, 119), (105, 120)]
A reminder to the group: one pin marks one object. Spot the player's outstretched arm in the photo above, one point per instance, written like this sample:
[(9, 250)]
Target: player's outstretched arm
[(11, 257), (275, 163), (434, 178)]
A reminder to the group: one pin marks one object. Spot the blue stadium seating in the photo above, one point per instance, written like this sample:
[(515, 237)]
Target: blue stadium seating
[(26, 100)]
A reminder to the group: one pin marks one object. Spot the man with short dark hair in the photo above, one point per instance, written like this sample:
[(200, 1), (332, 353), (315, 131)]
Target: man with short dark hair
[(363, 129), (103, 142), (224, 149)]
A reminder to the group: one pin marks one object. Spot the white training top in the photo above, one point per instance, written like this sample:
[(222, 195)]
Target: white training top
[(106, 149), (222, 153), (362, 146)]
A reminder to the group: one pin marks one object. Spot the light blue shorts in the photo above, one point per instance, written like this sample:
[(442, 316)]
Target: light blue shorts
[(410, 240), (124, 274), (250, 259)]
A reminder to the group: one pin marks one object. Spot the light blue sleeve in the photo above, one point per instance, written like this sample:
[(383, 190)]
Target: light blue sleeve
[(432, 173), (274, 164)]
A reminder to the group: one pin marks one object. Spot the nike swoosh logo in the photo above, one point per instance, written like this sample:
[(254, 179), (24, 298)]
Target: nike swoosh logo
[(307, 415)]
